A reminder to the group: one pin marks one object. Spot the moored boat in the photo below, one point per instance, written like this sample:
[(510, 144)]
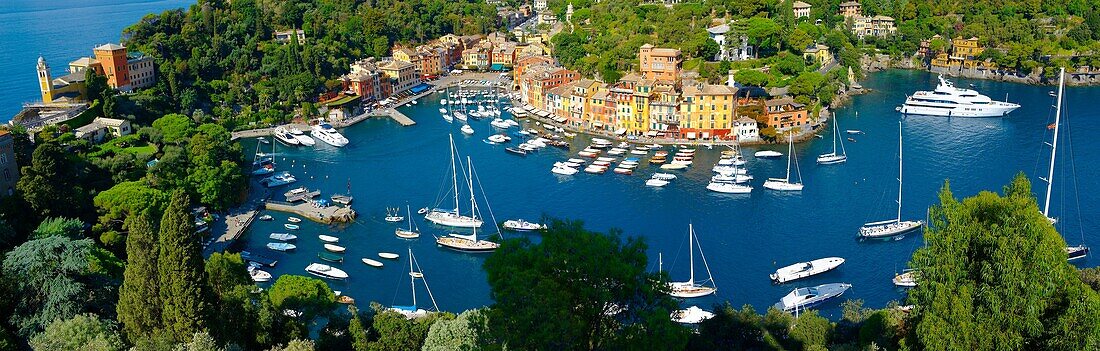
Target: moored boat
[(907, 278), (330, 257), (281, 246), (282, 236), (805, 269), (335, 248), (804, 298), (691, 315), (371, 262), (522, 225), (326, 271), (328, 238)]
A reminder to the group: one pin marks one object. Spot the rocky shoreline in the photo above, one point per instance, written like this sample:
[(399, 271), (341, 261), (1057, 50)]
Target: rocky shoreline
[(1077, 77)]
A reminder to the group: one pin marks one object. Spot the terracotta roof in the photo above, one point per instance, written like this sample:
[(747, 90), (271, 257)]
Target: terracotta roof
[(110, 47)]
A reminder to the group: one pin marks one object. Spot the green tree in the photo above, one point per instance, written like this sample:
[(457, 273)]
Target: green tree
[(764, 33), (49, 279), (140, 318), (81, 332), (577, 276), (67, 227), (994, 275), (183, 290), (51, 185), (751, 77), (129, 198), (360, 340), (201, 341), (295, 345), (310, 296), (396, 333), (174, 128), (225, 271), (468, 331)]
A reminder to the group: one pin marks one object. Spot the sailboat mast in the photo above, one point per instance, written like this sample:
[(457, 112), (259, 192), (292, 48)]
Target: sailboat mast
[(412, 278), (1054, 143), (454, 171), (408, 211), (836, 130), (899, 170), (790, 146), (470, 183), (691, 253)]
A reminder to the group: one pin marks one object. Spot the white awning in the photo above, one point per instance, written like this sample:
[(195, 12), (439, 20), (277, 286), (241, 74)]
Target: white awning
[(651, 133), (691, 135), (620, 131), (543, 113), (597, 124), (559, 119), (706, 135)]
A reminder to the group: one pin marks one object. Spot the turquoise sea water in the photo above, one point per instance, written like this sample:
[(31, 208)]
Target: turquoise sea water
[(59, 31), (744, 237)]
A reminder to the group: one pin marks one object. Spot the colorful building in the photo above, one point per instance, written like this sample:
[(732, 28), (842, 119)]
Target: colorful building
[(659, 63), (113, 59), (366, 80), (67, 88), (801, 9), (851, 9), (707, 111), (784, 113), (402, 75), (818, 53)]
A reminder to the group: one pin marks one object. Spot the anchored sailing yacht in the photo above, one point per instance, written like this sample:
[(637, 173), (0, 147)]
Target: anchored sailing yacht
[(832, 157), (691, 288), (412, 311), (949, 101), (784, 184), (895, 226), (1072, 252), (468, 243), (454, 218)]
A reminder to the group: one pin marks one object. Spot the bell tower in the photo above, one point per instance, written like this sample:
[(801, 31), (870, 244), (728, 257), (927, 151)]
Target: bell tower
[(45, 82)]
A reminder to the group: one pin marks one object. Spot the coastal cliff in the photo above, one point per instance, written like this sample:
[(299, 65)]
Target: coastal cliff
[(1082, 76)]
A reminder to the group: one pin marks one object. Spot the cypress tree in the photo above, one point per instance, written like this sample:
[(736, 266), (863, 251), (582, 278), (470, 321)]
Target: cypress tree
[(140, 318), (183, 291)]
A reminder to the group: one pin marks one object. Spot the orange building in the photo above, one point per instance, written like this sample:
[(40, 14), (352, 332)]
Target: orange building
[(784, 113), (113, 59), (659, 63)]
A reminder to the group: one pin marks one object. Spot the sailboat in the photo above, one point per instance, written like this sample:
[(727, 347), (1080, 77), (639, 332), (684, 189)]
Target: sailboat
[(468, 243), (412, 311), (412, 232), (894, 226), (784, 184), (691, 288), (1072, 252), (454, 218), (832, 157)]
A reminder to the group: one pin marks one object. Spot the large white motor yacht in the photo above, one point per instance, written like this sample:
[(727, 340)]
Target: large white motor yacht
[(326, 133), (949, 101)]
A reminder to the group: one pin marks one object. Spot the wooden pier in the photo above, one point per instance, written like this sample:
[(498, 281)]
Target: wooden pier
[(399, 117), (328, 214)]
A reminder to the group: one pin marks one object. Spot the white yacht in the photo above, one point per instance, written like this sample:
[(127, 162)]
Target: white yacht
[(692, 288), (326, 271), (301, 137), (454, 218), (326, 133), (803, 298), (896, 226), (949, 101), (284, 136), (413, 311), (785, 184), (280, 179), (805, 269)]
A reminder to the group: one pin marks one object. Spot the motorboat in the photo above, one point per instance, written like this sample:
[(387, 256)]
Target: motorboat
[(372, 263), (894, 226), (258, 275), (623, 171), (447, 117), (301, 137), (278, 180), (266, 218), (522, 225), (692, 288), (283, 135), (595, 169), (616, 151), (1076, 252), (516, 151), (563, 170), (674, 166), (498, 138), (335, 248), (326, 271), (805, 269), (729, 188), (586, 153), (691, 315), (263, 140), (294, 220), (264, 170), (805, 298), (467, 129), (328, 238), (289, 226), (950, 101), (605, 159), (283, 236), (500, 123), (601, 163), (656, 182), (327, 134), (907, 278), (281, 246), (664, 176), (767, 154)]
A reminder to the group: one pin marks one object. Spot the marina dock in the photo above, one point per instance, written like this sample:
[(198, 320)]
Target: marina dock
[(328, 214), (398, 117)]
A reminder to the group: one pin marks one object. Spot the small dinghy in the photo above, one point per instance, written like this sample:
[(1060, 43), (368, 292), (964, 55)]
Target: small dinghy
[(656, 182), (335, 248), (372, 263), (328, 238), (388, 255), (331, 257), (281, 246), (522, 225), (282, 236), (674, 166), (767, 154), (266, 218), (289, 226), (294, 220)]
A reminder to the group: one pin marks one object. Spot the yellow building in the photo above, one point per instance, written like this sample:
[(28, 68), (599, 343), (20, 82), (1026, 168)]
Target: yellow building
[(966, 48), (706, 111), (404, 54), (66, 88), (818, 52)]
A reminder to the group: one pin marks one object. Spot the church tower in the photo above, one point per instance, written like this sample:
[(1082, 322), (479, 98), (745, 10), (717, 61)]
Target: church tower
[(45, 82)]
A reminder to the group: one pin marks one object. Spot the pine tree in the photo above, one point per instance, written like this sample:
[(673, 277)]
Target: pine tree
[(183, 291), (139, 318)]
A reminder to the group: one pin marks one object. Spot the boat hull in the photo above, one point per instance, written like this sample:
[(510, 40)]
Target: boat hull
[(467, 245), (450, 219), (887, 230)]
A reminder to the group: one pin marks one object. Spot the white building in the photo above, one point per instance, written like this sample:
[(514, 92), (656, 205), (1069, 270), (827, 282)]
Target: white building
[(142, 73), (801, 9), (733, 45), (746, 129), (284, 36), (101, 127), (540, 5)]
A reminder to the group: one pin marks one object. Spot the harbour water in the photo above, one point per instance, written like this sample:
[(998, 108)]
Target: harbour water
[(744, 237), (59, 31)]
